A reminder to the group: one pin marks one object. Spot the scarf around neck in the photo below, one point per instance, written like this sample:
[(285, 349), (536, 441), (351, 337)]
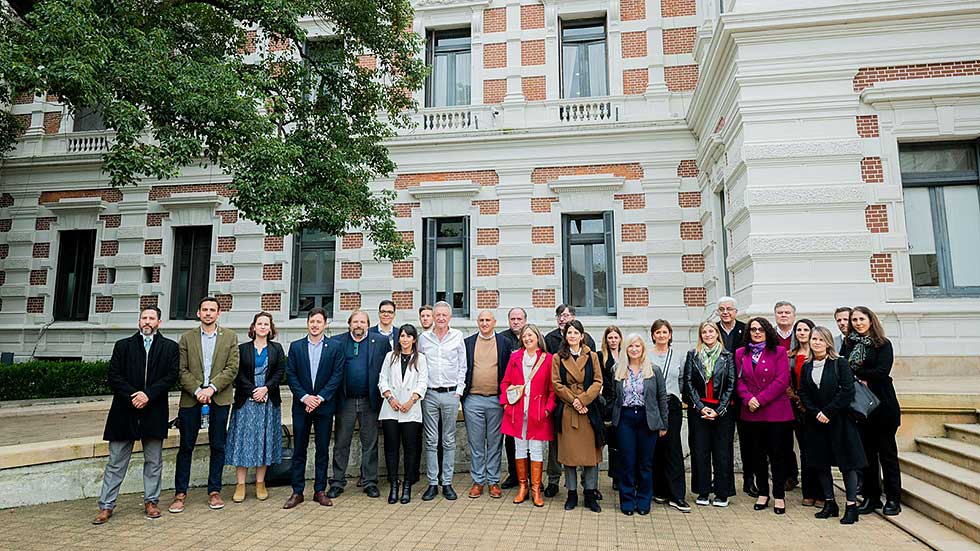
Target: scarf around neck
[(860, 351), (708, 357), (756, 348)]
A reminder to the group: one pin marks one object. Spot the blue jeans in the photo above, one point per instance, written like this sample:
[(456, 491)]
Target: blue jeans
[(483, 416), (190, 425), (636, 446)]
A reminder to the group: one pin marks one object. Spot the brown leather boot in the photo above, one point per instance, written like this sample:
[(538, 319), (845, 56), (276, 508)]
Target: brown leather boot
[(102, 517), (537, 470), (522, 491)]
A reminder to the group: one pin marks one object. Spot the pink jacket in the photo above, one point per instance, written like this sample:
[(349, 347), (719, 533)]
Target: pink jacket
[(541, 394), (766, 381)]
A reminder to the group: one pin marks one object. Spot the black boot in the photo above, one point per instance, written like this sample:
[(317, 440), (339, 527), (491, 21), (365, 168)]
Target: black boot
[(891, 508), (572, 501), (406, 493), (592, 501), (509, 482), (850, 514), (393, 494), (430, 493), (868, 506), (830, 509)]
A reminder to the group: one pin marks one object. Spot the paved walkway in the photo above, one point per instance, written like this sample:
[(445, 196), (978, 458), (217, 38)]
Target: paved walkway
[(358, 522)]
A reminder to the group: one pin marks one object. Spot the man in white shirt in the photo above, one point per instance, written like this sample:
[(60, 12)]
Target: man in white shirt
[(445, 354)]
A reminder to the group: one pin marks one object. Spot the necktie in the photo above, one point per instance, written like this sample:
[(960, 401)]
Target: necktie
[(147, 341)]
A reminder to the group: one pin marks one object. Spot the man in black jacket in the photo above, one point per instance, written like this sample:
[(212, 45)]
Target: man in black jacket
[(142, 370)]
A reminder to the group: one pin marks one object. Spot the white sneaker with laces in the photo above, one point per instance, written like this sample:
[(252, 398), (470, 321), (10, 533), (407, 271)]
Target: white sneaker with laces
[(720, 502)]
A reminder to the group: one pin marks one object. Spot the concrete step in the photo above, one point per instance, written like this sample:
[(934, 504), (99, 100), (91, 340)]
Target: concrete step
[(964, 433), (950, 510), (952, 478), (952, 451), (931, 533)]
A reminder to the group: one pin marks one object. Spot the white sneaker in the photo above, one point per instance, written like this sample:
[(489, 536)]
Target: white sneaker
[(720, 502), (703, 501), (681, 506)]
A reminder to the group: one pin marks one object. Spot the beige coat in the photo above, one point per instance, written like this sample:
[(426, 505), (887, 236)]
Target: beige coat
[(224, 366), (576, 441)]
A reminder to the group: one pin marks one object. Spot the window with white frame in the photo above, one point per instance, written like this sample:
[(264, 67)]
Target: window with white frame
[(584, 71)]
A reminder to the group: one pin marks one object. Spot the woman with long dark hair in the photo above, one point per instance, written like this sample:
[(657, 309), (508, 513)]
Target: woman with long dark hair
[(669, 480), (403, 381), (612, 342), (799, 353)]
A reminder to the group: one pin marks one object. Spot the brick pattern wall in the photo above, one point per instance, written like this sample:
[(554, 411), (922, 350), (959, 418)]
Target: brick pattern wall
[(631, 201), (3, 277), (542, 235), (495, 55), (367, 61), (881, 268), (224, 273), (352, 241), (225, 302), (5, 225), (482, 177), (103, 276), (148, 300), (534, 88), (542, 204), (494, 91), (227, 216), (6, 200), (350, 301), (272, 244), (681, 78), (872, 171), (635, 81), (408, 236), (876, 218), (495, 20), (103, 305), (249, 46), (634, 44), (678, 8), (487, 267), (108, 195), (109, 248), (629, 171), (272, 272), (679, 41), (41, 250), (689, 199), (404, 300), (487, 236), (532, 53), (487, 206), (532, 16), (487, 299), (692, 263), (695, 296), (155, 274), (868, 76), (227, 244), (52, 123), (543, 298), (156, 218), (867, 126), (634, 232), (163, 192), (153, 246), (688, 168), (4, 250), (543, 266), (636, 297), (270, 302), (350, 270), (691, 231), (403, 269), (634, 264), (39, 277), (632, 10), (35, 305), (44, 223), (111, 220), (404, 210), (719, 125)]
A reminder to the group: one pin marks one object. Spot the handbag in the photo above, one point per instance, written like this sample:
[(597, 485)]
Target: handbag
[(281, 474), (516, 392), (864, 401)]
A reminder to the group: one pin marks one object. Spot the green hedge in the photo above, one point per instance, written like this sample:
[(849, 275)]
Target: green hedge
[(46, 379)]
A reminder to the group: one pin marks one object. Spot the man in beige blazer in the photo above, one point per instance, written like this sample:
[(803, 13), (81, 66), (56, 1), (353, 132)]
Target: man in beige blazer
[(208, 366)]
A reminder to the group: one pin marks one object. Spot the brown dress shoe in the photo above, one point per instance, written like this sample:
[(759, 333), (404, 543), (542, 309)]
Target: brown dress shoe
[(322, 499), (475, 491), (215, 501), (293, 501), (102, 517), (177, 505), (495, 491), (152, 511)]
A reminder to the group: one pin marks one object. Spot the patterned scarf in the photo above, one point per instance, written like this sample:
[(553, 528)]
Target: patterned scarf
[(756, 348), (708, 357), (860, 351)]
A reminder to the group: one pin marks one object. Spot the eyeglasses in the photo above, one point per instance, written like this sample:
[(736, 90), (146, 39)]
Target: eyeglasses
[(387, 312), (756, 330), (727, 310)]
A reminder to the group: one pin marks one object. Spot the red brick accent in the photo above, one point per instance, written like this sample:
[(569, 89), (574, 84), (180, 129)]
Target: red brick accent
[(44, 223), (52, 123), (278, 43), (272, 272), (871, 170), (367, 61), (156, 218), (631, 201), (403, 268), (408, 237), (103, 276), (225, 302), (350, 301), (109, 248), (867, 126), (108, 195), (35, 305), (543, 298), (534, 88), (634, 264), (695, 296), (636, 297), (543, 266), (103, 304), (148, 300), (5, 225), (495, 20), (403, 300), (681, 78), (876, 217), (482, 177), (688, 168), (487, 236), (224, 273), (542, 235), (494, 90), (162, 192), (155, 274), (272, 244), (631, 10), (487, 299), (691, 231), (270, 302), (39, 277), (635, 81), (404, 210), (634, 232), (635, 44), (486, 267), (868, 76), (24, 99), (249, 47), (227, 216), (532, 52), (532, 16), (495, 55), (6, 200), (719, 125), (692, 263), (881, 268), (22, 124), (352, 241), (629, 171), (542, 204), (350, 270), (227, 244), (4, 250), (111, 220), (3, 277), (153, 246), (41, 250), (487, 206), (679, 41), (677, 8), (688, 199)]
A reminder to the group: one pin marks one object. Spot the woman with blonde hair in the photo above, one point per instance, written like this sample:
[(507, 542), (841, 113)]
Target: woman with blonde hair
[(639, 414)]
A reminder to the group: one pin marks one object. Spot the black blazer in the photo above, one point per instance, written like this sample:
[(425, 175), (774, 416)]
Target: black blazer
[(245, 380), (329, 375), (377, 348), (504, 350), (395, 333), (734, 339), (837, 442), (876, 371), (131, 372), (722, 381), (552, 341)]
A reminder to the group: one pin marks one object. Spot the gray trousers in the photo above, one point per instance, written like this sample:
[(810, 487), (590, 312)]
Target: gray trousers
[(355, 411), (483, 415), (590, 478), (120, 452), (436, 406), (554, 467)]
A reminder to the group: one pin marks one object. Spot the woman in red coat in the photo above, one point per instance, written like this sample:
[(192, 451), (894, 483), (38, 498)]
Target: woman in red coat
[(528, 408)]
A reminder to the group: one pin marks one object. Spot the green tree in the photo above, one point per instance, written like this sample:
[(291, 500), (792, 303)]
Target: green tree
[(300, 125)]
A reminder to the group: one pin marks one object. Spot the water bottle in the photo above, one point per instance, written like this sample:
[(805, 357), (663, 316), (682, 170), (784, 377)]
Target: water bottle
[(205, 416)]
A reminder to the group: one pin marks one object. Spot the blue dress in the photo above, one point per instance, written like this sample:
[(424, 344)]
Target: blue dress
[(255, 433)]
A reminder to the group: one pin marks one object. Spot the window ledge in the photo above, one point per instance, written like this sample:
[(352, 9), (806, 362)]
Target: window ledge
[(184, 200), (588, 182), (933, 89), (76, 205), (455, 188)]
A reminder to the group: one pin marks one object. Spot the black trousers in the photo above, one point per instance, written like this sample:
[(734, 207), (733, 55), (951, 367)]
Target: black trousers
[(511, 451), (322, 424), (743, 449), (190, 425), (668, 462), (615, 459), (767, 446), (827, 484), (402, 439), (712, 464), (881, 450), (809, 477)]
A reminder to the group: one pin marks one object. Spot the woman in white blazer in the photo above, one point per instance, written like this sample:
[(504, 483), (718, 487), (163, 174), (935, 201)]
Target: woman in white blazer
[(403, 381)]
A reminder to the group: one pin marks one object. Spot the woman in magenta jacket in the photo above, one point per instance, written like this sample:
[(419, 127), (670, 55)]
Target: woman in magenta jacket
[(528, 408), (763, 369)]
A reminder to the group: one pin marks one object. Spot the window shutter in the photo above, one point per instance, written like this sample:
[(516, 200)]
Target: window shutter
[(429, 260), (609, 237), (466, 266)]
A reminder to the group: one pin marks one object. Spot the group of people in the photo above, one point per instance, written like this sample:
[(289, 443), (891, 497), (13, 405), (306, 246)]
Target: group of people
[(551, 403)]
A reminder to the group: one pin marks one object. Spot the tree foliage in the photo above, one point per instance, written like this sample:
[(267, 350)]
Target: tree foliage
[(300, 127)]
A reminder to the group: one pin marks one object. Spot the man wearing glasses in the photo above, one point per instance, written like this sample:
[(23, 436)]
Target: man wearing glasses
[(386, 323)]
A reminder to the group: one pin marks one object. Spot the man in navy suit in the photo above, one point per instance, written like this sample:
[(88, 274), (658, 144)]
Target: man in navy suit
[(386, 324), (315, 373), (360, 403)]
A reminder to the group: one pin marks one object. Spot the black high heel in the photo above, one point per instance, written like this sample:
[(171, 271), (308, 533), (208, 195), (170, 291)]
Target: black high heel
[(780, 510), (761, 506)]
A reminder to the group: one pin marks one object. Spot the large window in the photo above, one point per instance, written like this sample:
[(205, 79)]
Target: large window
[(191, 270), (88, 119), (73, 285), (314, 254), (589, 263), (447, 54), (942, 216), (583, 59), (445, 261)]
